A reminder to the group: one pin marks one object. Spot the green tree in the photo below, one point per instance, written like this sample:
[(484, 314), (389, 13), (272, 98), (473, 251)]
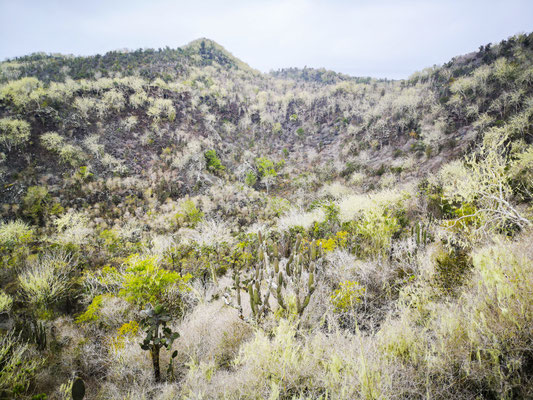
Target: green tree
[(267, 171), (213, 162)]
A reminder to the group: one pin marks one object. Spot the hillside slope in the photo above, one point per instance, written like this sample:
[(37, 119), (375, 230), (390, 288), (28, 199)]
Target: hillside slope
[(308, 234)]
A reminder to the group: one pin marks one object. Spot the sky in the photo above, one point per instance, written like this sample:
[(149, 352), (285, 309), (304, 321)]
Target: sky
[(378, 38)]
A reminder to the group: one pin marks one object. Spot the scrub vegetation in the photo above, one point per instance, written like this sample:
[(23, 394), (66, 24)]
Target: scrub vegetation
[(177, 225)]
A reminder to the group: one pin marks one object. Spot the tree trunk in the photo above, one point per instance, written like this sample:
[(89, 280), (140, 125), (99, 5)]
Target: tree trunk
[(155, 363)]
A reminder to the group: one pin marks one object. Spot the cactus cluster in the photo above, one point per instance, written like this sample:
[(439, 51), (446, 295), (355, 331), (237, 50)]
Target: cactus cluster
[(278, 271), (419, 232)]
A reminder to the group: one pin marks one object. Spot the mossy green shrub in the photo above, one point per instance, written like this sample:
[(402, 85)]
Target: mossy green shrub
[(213, 163)]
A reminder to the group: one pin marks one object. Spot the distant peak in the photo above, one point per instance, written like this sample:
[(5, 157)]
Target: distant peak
[(208, 49)]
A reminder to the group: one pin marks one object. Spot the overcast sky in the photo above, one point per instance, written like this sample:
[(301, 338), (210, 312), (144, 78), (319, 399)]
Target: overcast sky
[(379, 38)]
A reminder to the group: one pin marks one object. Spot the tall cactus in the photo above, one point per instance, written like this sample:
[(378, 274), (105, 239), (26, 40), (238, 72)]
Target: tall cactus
[(420, 234), (267, 278)]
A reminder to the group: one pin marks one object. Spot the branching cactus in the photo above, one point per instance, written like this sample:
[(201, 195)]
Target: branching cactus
[(277, 277)]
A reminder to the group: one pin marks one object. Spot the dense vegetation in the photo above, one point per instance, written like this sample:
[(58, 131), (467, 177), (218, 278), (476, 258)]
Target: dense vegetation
[(176, 224)]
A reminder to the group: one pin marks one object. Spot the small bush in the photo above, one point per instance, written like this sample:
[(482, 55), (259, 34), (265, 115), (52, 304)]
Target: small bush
[(13, 234), (17, 366), (6, 301), (47, 280), (213, 162), (14, 133)]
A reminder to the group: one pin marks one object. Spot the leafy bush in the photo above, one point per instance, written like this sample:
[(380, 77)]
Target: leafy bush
[(91, 314), (37, 204), (451, 270), (14, 133), (213, 162), (189, 215), (251, 178), (161, 107), (68, 153), (22, 93), (52, 141), (13, 234), (141, 281), (145, 282), (484, 182), (14, 239), (347, 296), (376, 228)]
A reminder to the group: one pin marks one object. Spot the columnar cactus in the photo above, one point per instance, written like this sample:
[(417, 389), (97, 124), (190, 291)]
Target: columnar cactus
[(420, 234), (275, 276)]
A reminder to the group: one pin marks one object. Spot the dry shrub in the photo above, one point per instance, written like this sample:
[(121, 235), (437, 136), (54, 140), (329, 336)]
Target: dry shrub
[(130, 373), (212, 333), (478, 344), (291, 365), (114, 311)]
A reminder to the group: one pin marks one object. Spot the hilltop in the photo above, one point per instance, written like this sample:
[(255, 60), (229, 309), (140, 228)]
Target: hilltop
[(307, 233)]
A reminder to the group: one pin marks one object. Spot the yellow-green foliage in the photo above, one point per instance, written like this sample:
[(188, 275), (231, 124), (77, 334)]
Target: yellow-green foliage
[(86, 106), (113, 100), (6, 301), (14, 233), (400, 341), (52, 141), (478, 340), (37, 204), (487, 332), (14, 239), (161, 108), (91, 314), (288, 365), (71, 154), (284, 365), (144, 281), (373, 219), (521, 171), (68, 153), (73, 228), (451, 268), (189, 215), (140, 281), (17, 366), (14, 133), (483, 181), (442, 312), (347, 296), (130, 328), (22, 93), (46, 280), (376, 228), (138, 99), (330, 244)]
